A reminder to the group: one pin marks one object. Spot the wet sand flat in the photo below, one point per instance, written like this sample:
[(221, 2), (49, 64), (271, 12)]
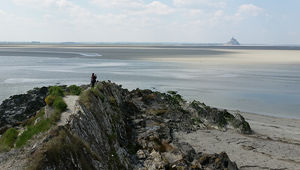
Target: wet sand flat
[(275, 143)]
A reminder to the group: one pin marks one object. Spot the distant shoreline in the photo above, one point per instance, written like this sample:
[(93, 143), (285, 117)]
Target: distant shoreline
[(154, 45)]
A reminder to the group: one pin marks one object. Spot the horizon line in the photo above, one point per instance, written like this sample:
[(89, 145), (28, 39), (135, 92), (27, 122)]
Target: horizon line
[(133, 43)]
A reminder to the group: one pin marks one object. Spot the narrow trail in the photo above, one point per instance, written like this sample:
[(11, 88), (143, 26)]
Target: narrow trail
[(71, 102)]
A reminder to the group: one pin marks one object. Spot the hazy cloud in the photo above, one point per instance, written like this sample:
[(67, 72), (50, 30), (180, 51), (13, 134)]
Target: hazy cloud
[(35, 3), (127, 20), (118, 3), (197, 3), (249, 9)]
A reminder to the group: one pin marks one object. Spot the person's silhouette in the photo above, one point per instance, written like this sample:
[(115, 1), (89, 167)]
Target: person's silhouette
[(93, 79)]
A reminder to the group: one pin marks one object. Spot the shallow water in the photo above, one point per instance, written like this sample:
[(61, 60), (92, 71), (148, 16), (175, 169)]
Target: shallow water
[(271, 89)]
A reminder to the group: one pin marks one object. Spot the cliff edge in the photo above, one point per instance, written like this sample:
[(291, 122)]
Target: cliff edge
[(109, 127)]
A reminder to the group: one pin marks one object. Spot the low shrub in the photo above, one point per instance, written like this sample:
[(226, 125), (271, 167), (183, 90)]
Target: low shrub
[(59, 104), (112, 101), (74, 90), (56, 91), (8, 139), (50, 100)]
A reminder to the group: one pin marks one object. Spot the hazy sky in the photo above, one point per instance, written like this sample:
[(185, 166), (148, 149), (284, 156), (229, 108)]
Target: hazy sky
[(202, 21)]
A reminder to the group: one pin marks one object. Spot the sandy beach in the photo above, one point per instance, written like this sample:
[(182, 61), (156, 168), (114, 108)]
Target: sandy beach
[(275, 143)]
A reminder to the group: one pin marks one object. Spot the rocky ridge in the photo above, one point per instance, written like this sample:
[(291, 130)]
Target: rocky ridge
[(113, 128)]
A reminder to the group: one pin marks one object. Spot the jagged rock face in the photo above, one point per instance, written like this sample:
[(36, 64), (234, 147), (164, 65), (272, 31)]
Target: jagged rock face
[(102, 125), (21, 107), (120, 129)]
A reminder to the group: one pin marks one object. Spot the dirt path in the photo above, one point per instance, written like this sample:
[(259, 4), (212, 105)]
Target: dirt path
[(71, 102)]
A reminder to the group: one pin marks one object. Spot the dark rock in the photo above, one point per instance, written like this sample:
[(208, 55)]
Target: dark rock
[(21, 107), (241, 124)]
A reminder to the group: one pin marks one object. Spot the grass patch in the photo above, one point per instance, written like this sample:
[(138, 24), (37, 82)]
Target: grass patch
[(85, 98), (74, 90), (8, 139), (32, 130), (99, 87), (59, 151), (95, 91), (59, 104)]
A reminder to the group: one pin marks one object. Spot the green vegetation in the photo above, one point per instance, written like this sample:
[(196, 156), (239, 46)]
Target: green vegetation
[(56, 91), (32, 130), (196, 105), (112, 101), (175, 98), (74, 90), (50, 100), (85, 98), (64, 146), (99, 87), (55, 99), (95, 91), (59, 104), (8, 139)]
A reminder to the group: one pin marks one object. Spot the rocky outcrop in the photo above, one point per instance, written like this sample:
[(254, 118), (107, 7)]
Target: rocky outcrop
[(120, 129), (19, 108), (113, 128)]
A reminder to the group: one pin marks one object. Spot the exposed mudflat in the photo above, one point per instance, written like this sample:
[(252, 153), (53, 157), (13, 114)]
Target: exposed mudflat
[(275, 143)]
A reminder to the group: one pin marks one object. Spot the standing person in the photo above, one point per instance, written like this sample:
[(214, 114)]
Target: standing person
[(93, 79)]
